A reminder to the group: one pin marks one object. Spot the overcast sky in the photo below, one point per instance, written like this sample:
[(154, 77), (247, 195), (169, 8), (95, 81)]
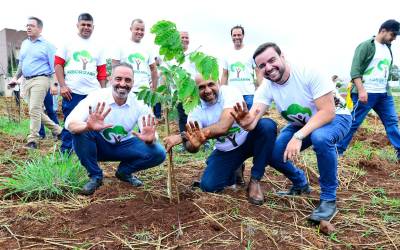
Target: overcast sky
[(320, 33)]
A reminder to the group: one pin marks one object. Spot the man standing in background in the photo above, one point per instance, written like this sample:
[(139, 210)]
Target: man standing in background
[(36, 64), (370, 69), (80, 69)]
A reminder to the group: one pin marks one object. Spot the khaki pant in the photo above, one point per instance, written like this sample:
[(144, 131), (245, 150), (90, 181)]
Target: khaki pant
[(35, 91)]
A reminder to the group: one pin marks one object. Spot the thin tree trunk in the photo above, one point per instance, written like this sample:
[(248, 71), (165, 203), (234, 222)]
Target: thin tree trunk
[(171, 181)]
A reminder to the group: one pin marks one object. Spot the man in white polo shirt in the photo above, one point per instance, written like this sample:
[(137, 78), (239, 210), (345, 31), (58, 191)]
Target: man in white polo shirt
[(102, 128)]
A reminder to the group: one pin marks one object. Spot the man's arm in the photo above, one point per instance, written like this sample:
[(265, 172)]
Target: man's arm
[(17, 75), (325, 114), (224, 77), (154, 75), (357, 70)]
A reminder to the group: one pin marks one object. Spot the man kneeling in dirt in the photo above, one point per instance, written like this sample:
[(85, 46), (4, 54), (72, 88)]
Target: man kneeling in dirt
[(104, 133), (212, 119)]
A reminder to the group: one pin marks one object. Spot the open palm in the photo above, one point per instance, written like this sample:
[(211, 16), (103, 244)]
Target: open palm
[(95, 121), (148, 131)]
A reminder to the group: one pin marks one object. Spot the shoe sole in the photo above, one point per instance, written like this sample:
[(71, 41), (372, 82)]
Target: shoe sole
[(318, 220), (255, 202)]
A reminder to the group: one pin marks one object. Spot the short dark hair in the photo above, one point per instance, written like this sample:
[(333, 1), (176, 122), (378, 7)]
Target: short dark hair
[(237, 27), (136, 20), (121, 64), (38, 21), (391, 25), (265, 46), (85, 17)]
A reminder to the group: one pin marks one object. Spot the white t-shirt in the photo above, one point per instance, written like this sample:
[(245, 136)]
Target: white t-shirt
[(123, 118), (206, 115), (376, 75), (140, 57), (240, 66), (295, 99), (82, 56)]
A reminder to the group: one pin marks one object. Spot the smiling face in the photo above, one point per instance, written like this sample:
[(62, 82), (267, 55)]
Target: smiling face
[(121, 82), (273, 66), (32, 29), (185, 40), (137, 30), (237, 38), (85, 28), (208, 90)]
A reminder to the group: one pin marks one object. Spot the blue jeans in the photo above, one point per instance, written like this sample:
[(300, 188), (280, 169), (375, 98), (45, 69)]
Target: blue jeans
[(249, 100), (50, 111), (134, 155), (67, 107), (323, 140), (221, 166), (182, 117), (383, 105)]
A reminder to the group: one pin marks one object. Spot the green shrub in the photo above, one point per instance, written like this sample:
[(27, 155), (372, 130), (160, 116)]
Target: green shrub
[(45, 177)]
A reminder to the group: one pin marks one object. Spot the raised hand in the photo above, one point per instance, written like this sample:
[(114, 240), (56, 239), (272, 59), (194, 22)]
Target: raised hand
[(148, 131), (95, 121), (195, 135), (242, 115)]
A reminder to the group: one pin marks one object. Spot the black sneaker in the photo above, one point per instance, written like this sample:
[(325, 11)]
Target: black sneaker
[(326, 210), (295, 191), (133, 180), (91, 186), (239, 176), (31, 145)]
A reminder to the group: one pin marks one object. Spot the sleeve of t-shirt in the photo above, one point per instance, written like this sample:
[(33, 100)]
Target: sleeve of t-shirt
[(81, 111), (263, 94), (152, 56), (231, 96), (116, 53), (61, 52), (225, 64), (195, 115), (318, 84), (101, 60)]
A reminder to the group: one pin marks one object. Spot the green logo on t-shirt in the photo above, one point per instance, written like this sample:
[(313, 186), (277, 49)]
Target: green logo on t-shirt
[(296, 114), (84, 57), (237, 67), (383, 65), (114, 134), (136, 58)]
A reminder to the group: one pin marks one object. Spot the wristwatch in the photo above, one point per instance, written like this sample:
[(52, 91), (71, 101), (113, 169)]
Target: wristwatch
[(298, 135)]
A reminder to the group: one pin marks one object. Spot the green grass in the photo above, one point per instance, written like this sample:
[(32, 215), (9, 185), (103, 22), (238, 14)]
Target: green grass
[(45, 177), (14, 128)]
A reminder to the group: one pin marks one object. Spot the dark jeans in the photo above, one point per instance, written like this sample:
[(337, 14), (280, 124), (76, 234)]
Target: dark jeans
[(51, 113), (383, 105), (182, 116), (67, 107), (221, 166), (157, 110), (323, 140), (134, 155)]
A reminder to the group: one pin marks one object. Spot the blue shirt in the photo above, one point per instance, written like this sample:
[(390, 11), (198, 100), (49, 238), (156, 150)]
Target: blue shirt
[(37, 58)]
